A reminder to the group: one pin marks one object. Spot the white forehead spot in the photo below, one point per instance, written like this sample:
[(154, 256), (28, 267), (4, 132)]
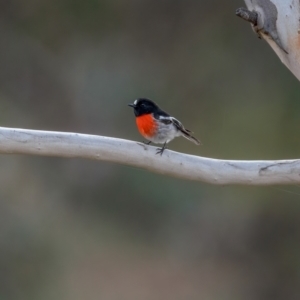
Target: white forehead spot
[(135, 102)]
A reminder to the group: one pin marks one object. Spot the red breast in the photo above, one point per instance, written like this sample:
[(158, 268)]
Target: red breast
[(146, 125)]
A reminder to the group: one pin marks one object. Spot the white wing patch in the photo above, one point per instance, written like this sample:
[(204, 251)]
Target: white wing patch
[(169, 120), (160, 117)]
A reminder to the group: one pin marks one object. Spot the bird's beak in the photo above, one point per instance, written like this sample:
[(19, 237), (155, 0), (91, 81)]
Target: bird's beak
[(131, 105)]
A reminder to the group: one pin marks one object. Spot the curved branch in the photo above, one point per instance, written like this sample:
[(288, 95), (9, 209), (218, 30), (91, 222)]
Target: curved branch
[(214, 171)]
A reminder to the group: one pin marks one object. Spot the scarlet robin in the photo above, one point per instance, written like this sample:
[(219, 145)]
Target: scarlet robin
[(157, 126)]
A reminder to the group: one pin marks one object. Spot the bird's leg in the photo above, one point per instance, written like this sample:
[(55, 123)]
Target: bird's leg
[(147, 143), (161, 150)]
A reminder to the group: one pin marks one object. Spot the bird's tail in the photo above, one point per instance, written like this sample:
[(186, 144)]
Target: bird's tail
[(188, 135)]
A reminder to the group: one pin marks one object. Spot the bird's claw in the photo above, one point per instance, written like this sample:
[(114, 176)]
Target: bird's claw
[(160, 151)]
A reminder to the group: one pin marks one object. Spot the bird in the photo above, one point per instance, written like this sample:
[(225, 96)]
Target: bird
[(156, 125)]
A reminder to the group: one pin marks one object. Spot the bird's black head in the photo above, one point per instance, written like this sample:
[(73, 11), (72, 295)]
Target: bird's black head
[(143, 106)]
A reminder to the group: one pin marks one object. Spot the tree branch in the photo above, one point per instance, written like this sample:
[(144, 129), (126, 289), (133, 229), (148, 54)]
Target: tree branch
[(214, 171), (247, 15)]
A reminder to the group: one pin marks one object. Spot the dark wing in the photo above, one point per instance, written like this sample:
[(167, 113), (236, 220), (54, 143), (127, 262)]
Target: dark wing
[(185, 132), (178, 124), (167, 119)]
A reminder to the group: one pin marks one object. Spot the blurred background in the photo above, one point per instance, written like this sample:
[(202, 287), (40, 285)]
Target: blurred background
[(79, 229)]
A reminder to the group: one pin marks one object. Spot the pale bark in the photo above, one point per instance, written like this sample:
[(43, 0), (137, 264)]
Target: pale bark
[(277, 21), (214, 171), (278, 24)]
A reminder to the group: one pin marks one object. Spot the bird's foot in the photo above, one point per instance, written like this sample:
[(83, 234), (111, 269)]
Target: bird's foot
[(161, 150)]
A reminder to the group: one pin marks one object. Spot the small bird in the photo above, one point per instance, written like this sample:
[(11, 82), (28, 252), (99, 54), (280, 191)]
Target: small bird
[(157, 126)]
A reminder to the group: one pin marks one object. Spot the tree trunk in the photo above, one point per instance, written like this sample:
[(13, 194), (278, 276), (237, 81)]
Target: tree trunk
[(278, 24)]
